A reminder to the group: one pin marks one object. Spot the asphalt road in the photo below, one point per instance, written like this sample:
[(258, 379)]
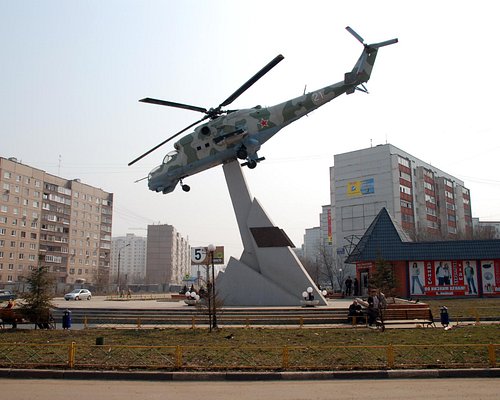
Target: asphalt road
[(407, 389)]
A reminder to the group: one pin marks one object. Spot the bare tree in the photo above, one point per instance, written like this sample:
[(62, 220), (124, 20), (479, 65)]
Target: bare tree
[(484, 232), (313, 269), (332, 267)]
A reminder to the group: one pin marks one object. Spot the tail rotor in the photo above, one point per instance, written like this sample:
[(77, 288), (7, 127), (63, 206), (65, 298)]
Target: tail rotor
[(363, 68)]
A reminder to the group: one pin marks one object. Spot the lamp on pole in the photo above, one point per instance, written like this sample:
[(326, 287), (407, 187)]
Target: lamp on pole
[(211, 250), (119, 264)]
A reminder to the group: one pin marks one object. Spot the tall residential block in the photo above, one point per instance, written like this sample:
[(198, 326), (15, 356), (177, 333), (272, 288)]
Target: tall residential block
[(168, 258), (48, 221), (128, 259), (428, 203)]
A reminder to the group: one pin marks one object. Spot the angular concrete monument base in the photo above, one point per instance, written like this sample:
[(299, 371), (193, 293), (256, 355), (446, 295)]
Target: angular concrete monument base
[(268, 272)]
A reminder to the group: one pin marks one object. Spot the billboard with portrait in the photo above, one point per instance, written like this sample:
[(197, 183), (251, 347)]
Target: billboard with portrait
[(490, 271), (443, 278)]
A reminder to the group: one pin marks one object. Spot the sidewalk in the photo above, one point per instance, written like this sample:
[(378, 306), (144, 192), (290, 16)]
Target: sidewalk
[(249, 376)]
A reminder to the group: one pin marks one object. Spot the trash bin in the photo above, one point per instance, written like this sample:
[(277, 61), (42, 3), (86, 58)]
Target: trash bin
[(66, 319), (445, 317)]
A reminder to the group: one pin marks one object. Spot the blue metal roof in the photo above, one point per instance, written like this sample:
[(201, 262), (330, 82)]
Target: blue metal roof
[(385, 239)]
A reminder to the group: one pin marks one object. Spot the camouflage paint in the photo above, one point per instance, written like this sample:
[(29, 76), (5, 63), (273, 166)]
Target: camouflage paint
[(248, 129)]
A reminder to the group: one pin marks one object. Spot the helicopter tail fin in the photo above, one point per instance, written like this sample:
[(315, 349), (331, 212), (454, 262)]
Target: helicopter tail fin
[(363, 68)]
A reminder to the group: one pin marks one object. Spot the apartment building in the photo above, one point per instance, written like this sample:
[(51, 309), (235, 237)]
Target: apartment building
[(48, 221), (427, 202), (128, 259), (168, 258)]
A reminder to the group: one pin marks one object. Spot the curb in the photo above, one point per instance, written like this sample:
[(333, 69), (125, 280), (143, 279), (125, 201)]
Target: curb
[(248, 376)]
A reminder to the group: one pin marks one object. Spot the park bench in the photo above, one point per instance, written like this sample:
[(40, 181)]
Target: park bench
[(15, 317), (409, 315), (419, 314)]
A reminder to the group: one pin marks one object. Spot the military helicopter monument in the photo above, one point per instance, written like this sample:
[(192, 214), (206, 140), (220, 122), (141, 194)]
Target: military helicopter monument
[(268, 272)]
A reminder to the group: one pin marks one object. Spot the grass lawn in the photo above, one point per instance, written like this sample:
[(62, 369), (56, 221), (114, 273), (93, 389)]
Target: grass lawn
[(241, 348), (481, 334)]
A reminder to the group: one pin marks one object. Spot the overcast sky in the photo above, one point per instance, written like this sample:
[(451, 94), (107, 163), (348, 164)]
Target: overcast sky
[(73, 72)]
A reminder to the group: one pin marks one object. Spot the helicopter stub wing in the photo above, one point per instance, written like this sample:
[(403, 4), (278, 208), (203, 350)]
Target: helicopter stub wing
[(231, 137)]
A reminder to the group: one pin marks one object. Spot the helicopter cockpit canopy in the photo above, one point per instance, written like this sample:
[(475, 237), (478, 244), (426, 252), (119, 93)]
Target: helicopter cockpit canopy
[(170, 156)]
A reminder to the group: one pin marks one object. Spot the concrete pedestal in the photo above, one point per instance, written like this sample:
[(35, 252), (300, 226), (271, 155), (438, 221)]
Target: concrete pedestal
[(268, 272)]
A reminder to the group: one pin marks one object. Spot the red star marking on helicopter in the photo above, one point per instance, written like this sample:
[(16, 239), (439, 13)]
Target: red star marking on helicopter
[(264, 123)]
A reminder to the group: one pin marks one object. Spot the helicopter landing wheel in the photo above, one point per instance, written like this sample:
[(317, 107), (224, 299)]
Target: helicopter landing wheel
[(252, 164), (242, 153), (186, 188)]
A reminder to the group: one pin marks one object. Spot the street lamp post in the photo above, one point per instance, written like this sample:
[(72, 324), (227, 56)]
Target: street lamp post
[(119, 264), (211, 250)]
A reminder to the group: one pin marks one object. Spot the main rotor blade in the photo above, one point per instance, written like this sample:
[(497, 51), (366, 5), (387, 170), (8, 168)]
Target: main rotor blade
[(165, 141), (252, 80), (172, 104), (353, 33), (382, 44)]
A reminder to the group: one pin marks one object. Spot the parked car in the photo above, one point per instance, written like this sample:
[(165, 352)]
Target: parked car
[(7, 295), (78, 294)]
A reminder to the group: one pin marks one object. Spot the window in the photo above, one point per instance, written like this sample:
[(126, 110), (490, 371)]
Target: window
[(404, 161), (405, 176), (407, 218), (53, 259), (406, 204), (432, 224), (430, 199), (431, 211), (405, 189)]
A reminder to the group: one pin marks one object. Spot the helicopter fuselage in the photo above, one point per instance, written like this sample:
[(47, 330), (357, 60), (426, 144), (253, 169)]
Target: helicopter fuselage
[(238, 134), (231, 135)]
